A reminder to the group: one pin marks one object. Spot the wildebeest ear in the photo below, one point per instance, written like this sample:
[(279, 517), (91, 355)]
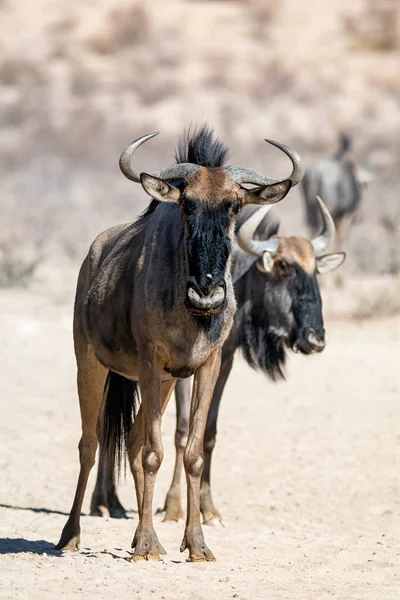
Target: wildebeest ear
[(268, 194), (159, 189), (330, 262), (265, 264)]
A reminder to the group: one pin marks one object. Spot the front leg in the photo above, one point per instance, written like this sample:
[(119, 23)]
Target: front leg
[(204, 382), (145, 456)]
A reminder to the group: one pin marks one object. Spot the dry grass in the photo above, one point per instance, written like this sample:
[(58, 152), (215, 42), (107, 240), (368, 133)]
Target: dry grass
[(17, 70), (127, 26), (375, 27), (68, 109), (385, 303), (17, 272)]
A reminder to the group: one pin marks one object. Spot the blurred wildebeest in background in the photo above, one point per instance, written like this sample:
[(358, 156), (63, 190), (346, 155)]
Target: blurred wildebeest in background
[(339, 181)]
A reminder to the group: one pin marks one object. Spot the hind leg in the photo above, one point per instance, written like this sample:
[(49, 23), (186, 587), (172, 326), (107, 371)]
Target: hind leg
[(105, 501), (207, 506), (91, 380), (173, 507)]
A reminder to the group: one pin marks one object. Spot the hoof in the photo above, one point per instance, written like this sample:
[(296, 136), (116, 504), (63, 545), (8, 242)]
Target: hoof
[(100, 510), (118, 512), (198, 549), (69, 545), (201, 558), (207, 508), (135, 557), (147, 545), (173, 512), (212, 518)]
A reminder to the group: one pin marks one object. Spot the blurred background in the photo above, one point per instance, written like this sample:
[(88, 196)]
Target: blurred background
[(80, 80)]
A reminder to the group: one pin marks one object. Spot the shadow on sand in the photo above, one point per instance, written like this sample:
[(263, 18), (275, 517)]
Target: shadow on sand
[(47, 511), (40, 547), (19, 545)]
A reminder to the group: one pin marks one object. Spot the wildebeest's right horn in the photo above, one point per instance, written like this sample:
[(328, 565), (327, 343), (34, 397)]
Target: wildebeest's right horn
[(322, 242), (244, 175), (178, 171), (246, 233)]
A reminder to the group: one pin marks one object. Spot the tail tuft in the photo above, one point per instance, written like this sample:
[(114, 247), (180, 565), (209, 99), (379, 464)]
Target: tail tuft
[(122, 398)]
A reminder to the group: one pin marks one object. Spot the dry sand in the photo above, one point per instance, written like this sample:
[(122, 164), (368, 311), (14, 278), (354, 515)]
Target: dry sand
[(306, 475)]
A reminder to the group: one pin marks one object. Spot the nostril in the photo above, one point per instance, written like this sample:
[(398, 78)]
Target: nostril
[(217, 295), (315, 340), (194, 296), (205, 302)]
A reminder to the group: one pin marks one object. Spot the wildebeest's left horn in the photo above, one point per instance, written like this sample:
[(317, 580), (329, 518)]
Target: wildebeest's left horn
[(322, 242), (246, 233), (244, 175), (178, 171)]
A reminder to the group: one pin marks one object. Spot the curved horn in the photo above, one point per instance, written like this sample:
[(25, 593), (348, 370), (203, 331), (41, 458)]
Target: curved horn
[(126, 157), (178, 171), (321, 243), (246, 232), (244, 175)]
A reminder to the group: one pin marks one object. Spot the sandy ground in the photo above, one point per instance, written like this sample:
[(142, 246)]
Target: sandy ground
[(306, 475)]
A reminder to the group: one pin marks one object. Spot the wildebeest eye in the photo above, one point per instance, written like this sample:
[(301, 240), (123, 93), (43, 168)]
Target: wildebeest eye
[(283, 269), (233, 206)]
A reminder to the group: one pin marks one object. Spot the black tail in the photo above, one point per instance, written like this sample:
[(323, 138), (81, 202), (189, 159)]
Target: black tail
[(122, 398)]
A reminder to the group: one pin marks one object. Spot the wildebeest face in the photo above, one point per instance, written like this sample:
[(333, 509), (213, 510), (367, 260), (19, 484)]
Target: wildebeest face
[(293, 275), (292, 264), (209, 201)]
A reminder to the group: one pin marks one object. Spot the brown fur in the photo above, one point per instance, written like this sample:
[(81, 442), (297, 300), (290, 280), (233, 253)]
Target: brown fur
[(213, 185), (296, 250)]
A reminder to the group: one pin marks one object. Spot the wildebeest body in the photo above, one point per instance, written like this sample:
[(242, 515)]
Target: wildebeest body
[(155, 302), (149, 299)]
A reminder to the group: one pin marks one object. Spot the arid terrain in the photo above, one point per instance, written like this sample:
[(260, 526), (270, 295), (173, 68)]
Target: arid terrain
[(80, 79), (306, 474)]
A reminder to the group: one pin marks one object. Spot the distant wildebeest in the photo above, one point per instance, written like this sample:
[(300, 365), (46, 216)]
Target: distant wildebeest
[(278, 307), (155, 303), (339, 181)]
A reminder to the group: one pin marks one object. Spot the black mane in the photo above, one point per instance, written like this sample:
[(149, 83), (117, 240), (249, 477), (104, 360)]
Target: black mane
[(260, 347), (201, 147)]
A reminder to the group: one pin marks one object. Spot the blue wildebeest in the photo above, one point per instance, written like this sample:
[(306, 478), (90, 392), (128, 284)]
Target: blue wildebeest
[(339, 181), (155, 303), (278, 307)]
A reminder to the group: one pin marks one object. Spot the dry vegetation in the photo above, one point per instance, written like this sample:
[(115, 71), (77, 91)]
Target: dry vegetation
[(375, 27), (98, 74)]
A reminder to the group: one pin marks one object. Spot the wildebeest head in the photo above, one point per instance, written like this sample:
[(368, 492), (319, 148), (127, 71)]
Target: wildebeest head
[(209, 196), (289, 296)]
